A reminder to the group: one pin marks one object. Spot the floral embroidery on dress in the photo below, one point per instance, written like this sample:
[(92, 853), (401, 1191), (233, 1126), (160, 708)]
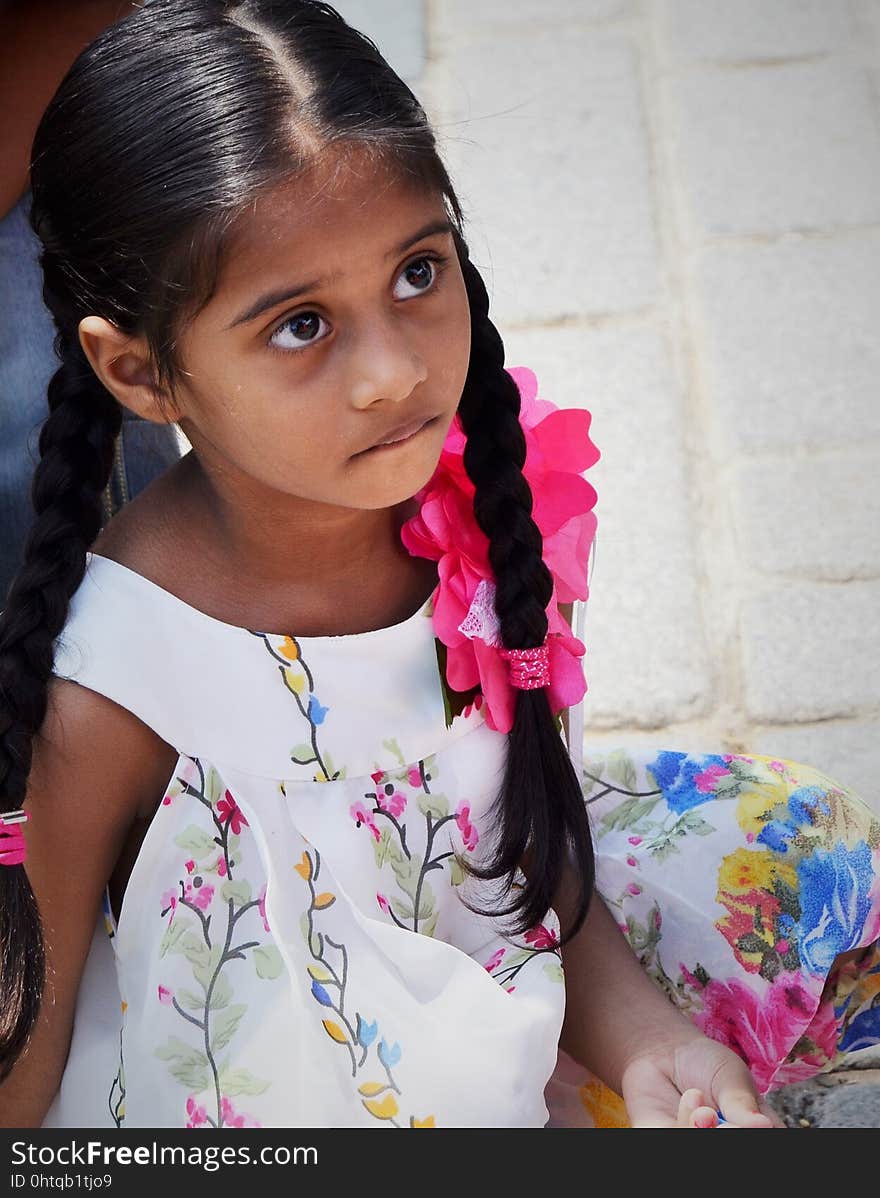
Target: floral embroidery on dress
[(506, 962), (329, 979), (116, 1097), (385, 806), (418, 912), (381, 813), (297, 677), (214, 897)]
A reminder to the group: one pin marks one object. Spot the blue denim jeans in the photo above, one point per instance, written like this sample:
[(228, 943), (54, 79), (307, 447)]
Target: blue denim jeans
[(27, 363)]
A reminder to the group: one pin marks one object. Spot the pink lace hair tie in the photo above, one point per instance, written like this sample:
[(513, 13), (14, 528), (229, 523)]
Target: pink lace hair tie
[(529, 668), (12, 845)]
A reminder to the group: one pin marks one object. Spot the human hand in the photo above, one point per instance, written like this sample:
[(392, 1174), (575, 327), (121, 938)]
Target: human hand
[(687, 1081)]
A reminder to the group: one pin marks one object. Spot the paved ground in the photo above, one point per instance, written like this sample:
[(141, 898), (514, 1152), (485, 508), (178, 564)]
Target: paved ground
[(676, 207)]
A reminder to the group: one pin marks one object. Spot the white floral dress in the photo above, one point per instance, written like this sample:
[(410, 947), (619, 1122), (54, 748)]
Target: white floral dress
[(266, 964), (293, 949)]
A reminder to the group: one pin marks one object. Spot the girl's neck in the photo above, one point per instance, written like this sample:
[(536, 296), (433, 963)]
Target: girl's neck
[(272, 542), (345, 577)]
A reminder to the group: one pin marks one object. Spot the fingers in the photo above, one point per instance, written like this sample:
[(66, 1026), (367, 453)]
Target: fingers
[(650, 1114), (651, 1097), (739, 1102), (749, 1112), (694, 1112), (737, 1108), (724, 1094)]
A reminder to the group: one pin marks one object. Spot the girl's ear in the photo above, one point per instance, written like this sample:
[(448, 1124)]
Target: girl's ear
[(122, 363)]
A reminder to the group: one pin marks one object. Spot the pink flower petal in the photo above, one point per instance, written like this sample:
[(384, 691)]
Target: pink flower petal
[(526, 381), (560, 498), (558, 450), (563, 439)]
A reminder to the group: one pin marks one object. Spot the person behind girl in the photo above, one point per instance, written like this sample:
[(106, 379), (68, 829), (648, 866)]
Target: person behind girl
[(247, 230), (38, 42)]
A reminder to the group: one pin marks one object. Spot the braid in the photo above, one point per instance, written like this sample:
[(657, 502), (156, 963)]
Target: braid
[(76, 452), (541, 810)]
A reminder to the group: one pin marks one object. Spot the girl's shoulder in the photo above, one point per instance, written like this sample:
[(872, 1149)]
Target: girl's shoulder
[(147, 533), (99, 670), (160, 541), (91, 745)]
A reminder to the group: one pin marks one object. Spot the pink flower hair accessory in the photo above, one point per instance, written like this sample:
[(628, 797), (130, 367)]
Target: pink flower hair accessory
[(529, 668), (445, 530), (13, 849)]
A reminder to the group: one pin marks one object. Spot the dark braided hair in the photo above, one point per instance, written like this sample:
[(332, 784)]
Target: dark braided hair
[(157, 140), (540, 809), (76, 455)]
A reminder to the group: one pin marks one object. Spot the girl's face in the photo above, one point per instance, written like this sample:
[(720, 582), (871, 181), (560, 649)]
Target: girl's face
[(340, 316)]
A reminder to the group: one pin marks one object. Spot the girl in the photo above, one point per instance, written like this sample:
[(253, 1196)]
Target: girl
[(300, 699)]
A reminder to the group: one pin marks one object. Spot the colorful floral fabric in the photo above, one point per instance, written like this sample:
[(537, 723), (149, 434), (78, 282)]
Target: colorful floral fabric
[(749, 887)]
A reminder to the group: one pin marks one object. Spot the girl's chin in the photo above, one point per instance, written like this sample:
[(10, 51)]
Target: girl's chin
[(405, 466)]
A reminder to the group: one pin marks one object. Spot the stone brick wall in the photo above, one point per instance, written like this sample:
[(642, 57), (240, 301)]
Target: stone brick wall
[(676, 207)]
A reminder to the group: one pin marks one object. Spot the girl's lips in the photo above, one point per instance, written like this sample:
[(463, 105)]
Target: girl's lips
[(402, 438)]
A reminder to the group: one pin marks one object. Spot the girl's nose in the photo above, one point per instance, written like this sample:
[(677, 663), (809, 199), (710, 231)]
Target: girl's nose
[(388, 366)]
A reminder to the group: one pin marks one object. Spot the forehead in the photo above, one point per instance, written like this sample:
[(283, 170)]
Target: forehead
[(344, 204)]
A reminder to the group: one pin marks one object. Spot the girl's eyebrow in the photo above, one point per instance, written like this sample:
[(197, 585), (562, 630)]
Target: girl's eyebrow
[(271, 298)]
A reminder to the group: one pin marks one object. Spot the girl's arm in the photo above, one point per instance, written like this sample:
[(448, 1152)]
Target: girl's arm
[(620, 1026), (95, 768), (612, 1009), (599, 966)]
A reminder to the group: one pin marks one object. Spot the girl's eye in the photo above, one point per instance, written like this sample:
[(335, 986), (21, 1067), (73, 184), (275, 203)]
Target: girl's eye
[(303, 327), (424, 278)]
